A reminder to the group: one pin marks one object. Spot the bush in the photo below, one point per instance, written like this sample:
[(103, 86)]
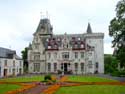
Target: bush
[(118, 73), (47, 77)]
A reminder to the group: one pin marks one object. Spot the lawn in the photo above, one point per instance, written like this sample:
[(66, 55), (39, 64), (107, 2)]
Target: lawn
[(24, 79), (88, 79), (7, 87), (93, 89)]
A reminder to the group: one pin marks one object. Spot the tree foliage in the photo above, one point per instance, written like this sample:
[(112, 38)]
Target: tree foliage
[(117, 31), (111, 64), (24, 56)]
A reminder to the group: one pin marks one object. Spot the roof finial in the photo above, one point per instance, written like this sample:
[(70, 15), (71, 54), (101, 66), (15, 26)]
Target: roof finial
[(89, 30), (44, 14)]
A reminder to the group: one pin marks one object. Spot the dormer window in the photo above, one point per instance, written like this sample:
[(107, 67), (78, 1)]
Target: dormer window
[(47, 40), (75, 45), (49, 47), (79, 38), (42, 27), (82, 46)]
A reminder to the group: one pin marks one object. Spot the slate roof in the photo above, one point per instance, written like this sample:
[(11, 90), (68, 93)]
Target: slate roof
[(7, 53), (56, 40)]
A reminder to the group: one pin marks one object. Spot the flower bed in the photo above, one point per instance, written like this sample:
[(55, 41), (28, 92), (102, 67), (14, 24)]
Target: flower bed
[(98, 83), (64, 78)]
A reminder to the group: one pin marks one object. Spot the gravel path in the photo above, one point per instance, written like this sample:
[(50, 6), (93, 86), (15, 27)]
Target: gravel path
[(36, 90), (121, 79)]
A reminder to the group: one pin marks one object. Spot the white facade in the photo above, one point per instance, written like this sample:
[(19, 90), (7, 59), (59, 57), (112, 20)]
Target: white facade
[(10, 66), (70, 53)]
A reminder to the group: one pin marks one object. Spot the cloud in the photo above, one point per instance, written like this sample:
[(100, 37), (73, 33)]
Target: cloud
[(19, 19)]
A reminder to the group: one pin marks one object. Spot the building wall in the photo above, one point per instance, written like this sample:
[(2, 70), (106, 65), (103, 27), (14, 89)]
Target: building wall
[(10, 67), (91, 57)]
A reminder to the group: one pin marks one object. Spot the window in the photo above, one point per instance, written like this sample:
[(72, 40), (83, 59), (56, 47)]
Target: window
[(82, 66), (90, 64), (17, 69), (13, 63), (10, 70), (0, 70), (49, 55), (37, 57), (55, 55), (76, 45), (65, 55), (55, 66), (20, 63), (5, 62), (82, 54), (49, 47), (61, 66), (36, 67), (79, 38), (90, 53), (82, 46), (49, 67), (76, 54), (36, 46), (76, 66), (96, 65)]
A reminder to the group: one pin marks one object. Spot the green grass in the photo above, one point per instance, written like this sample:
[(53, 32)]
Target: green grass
[(24, 79), (89, 79), (93, 89), (7, 87)]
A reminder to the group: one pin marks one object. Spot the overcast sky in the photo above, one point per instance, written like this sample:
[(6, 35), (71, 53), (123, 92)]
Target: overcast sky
[(19, 19)]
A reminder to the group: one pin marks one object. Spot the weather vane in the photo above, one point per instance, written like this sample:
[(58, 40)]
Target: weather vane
[(44, 14)]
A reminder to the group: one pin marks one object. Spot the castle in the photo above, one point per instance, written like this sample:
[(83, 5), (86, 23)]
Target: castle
[(70, 53)]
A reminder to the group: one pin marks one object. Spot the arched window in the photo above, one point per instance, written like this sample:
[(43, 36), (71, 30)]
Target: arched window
[(76, 66), (49, 67), (82, 66), (55, 66), (90, 64), (96, 65)]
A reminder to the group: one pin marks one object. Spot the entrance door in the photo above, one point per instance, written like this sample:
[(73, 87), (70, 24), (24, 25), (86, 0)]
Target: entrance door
[(65, 68), (5, 72), (20, 71)]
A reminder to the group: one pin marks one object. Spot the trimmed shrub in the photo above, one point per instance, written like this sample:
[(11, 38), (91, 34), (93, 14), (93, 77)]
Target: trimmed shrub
[(47, 77)]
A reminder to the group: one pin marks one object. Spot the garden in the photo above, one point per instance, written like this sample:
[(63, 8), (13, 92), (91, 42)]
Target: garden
[(53, 84)]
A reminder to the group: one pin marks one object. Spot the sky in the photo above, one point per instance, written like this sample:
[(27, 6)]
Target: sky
[(20, 18)]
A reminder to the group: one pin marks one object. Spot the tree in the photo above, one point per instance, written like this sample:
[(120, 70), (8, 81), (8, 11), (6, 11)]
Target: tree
[(117, 31), (111, 63), (24, 56)]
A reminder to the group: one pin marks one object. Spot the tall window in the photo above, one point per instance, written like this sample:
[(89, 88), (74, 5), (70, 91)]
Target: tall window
[(36, 46), (0, 70), (49, 55), (82, 54), (65, 55), (82, 46), (55, 66), (55, 55), (37, 57), (96, 65), (13, 63), (82, 66), (76, 54), (20, 63), (76, 66), (36, 67), (49, 67), (5, 62), (90, 64)]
